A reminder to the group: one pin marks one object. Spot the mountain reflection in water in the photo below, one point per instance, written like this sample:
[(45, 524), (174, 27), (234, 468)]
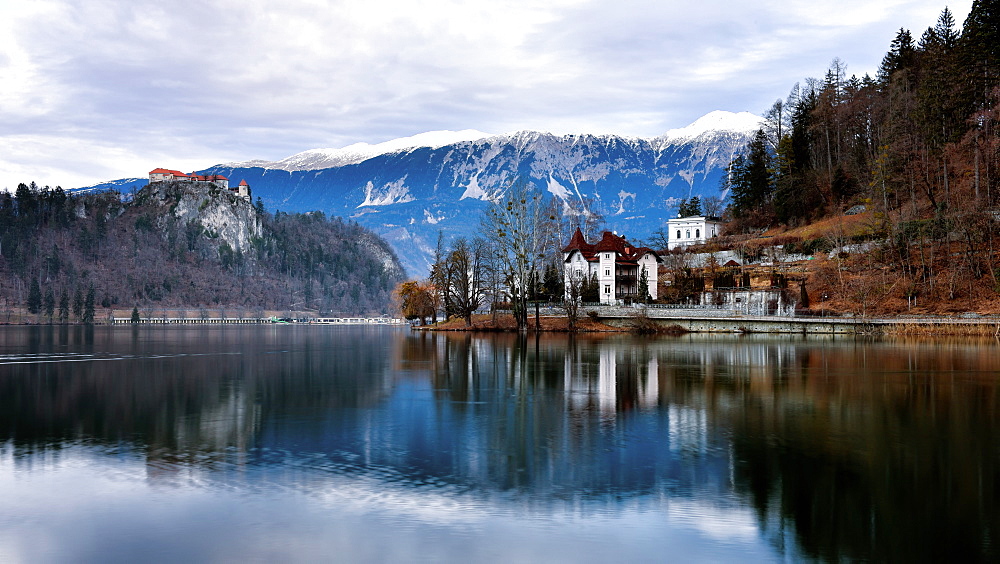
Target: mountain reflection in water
[(821, 448)]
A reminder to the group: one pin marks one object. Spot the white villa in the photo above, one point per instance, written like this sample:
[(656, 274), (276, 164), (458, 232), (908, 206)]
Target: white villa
[(684, 231), (166, 175), (618, 265)]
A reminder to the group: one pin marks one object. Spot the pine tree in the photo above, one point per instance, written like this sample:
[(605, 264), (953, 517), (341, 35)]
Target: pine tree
[(49, 303), (643, 289), (63, 307), (88, 307), (751, 177), (980, 47), (34, 297), (901, 56), (78, 304)]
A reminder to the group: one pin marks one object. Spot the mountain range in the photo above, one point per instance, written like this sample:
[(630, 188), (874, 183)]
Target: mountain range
[(408, 190)]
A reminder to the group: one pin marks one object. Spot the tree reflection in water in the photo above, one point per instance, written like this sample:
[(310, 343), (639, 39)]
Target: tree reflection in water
[(844, 449)]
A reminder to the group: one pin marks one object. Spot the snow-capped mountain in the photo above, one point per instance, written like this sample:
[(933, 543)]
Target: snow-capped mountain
[(328, 158), (409, 189)]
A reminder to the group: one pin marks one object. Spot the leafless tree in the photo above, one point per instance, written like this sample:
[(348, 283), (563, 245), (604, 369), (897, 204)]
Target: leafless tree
[(523, 234)]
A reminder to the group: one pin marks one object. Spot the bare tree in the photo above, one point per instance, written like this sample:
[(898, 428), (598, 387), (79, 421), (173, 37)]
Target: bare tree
[(523, 233), (573, 298), (464, 275)]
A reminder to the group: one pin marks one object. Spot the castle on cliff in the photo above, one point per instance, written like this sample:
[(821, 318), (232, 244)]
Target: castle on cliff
[(166, 175)]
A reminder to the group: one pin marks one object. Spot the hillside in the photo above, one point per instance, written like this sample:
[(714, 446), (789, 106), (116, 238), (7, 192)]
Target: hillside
[(185, 245), (916, 148)]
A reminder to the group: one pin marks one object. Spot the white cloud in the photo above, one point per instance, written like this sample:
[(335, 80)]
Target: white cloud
[(224, 80)]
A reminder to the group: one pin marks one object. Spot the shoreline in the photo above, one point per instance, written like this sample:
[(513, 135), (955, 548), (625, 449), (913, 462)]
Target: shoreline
[(681, 324)]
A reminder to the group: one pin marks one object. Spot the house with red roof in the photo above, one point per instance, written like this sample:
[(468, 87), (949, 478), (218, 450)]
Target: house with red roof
[(619, 267)]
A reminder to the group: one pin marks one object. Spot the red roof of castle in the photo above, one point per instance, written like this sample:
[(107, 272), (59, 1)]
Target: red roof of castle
[(166, 171), (243, 183)]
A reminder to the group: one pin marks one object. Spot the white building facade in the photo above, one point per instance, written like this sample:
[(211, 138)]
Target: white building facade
[(685, 231), (619, 268)]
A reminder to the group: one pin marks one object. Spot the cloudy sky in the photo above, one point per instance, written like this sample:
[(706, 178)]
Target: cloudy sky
[(93, 90)]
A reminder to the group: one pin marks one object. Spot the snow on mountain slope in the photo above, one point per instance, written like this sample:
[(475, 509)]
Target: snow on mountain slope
[(413, 188), (315, 159), (716, 122)]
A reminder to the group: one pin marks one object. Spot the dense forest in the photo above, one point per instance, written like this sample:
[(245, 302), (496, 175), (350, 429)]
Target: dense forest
[(73, 257), (916, 148)]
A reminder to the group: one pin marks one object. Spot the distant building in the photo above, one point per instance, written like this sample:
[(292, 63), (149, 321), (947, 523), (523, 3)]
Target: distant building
[(243, 189), (217, 179), (617, 264), (168, 175), (684, 231)]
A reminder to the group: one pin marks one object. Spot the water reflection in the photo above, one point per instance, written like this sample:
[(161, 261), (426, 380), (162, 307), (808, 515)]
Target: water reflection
[(825, 448)]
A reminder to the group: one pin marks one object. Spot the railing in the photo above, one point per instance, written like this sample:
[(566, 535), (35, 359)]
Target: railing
[(190, 320)]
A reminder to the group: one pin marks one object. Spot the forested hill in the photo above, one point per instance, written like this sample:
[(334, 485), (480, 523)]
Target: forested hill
[(915, 150), (184, 245)]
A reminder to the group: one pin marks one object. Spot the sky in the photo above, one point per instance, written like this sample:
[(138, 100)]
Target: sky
[(95, 90)]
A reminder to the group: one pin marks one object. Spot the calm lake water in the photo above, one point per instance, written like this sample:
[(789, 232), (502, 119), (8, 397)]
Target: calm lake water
[(304, 444)]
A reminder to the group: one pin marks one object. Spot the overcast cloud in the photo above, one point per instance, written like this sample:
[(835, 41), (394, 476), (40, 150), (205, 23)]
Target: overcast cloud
[(93, 90)]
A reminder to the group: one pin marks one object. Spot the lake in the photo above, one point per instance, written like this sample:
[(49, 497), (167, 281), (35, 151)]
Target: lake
[(367, 444)]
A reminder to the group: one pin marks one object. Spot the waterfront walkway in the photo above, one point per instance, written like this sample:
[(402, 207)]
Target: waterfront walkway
[(732, 320)]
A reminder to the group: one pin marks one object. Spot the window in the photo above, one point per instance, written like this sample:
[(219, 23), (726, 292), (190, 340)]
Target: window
[(607, 289), (687, 234), (607, 272), (678, 233), (697, 233)]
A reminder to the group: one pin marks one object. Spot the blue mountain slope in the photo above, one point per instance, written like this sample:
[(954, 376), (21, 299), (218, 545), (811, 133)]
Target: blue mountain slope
[(409, 195)]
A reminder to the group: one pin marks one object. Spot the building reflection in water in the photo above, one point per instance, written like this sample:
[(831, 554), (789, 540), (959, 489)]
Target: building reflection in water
[(810, 434)]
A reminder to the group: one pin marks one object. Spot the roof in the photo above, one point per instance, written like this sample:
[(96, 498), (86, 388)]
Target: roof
[(625, 252), (706, 218), (166, 171), (577, 242), (243, 183)]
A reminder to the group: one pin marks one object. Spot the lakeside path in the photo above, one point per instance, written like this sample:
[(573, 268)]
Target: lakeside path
[(705, 320)]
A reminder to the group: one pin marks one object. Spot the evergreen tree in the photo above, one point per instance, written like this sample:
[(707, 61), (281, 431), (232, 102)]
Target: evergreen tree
[(34, 297), (690, 208), (751, 178), (63, 307), (78, 304), (901, 56), (49, 303), (88, 307), (552, 283), (135, 315), (980, 47), (643, 289)]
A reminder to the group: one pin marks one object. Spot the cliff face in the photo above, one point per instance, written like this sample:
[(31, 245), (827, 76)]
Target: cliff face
[(223, 215)]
